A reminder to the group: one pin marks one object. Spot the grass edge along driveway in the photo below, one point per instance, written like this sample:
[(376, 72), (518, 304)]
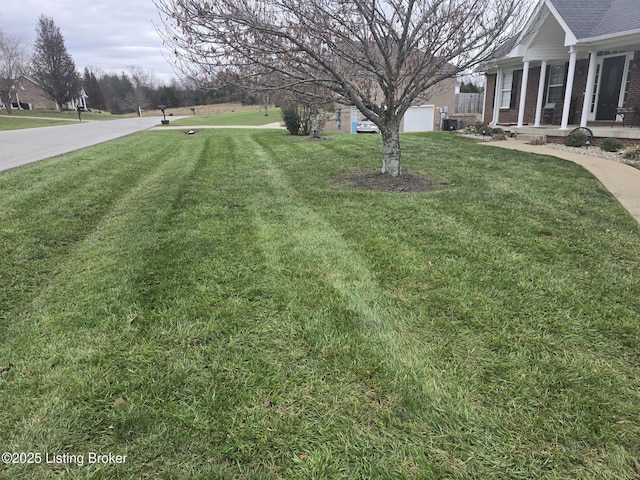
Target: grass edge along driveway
[(228, 305)]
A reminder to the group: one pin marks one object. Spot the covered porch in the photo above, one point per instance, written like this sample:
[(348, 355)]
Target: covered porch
[(554, 78)]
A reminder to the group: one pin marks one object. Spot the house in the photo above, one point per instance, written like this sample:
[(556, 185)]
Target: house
[(576, 63), (29, 95), (429, 112)]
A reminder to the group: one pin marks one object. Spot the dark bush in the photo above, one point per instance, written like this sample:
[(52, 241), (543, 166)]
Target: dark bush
[(291, 118), (576, 139), (296, 118), (611, 145)]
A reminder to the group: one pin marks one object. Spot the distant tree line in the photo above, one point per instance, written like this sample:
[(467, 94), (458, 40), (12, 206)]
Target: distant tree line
[(470, 87), (52, 67), (128, 91)]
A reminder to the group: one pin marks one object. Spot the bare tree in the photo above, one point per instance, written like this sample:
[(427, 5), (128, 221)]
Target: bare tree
[(144, 82), (53, 67), (13, 63), (379, 55)]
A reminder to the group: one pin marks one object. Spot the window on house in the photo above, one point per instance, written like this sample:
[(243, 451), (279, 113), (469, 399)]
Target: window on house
[(505, 89), (555, 91)]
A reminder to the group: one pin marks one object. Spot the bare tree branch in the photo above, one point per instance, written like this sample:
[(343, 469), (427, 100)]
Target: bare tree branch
[(13, 63), (379, 55)]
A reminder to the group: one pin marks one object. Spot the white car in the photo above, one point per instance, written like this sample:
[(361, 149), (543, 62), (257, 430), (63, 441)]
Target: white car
[(367, 126)]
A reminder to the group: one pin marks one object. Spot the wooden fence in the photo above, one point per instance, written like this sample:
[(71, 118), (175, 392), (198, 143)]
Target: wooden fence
[(469, 102)]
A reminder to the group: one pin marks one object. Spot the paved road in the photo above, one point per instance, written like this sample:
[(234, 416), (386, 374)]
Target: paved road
[(20, 147)]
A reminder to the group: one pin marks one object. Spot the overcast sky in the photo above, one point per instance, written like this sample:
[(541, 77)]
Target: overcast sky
[(108, 35)]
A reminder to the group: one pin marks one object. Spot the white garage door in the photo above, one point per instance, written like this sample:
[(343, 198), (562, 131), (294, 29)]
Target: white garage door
[(419, 119)]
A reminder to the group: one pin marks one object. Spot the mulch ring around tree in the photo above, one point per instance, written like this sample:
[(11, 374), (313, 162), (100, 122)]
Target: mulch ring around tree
[(405, 183)]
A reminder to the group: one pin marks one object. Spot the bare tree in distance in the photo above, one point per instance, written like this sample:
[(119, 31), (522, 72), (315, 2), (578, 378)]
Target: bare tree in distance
[(53, 67), (13, 63), (379, 55)]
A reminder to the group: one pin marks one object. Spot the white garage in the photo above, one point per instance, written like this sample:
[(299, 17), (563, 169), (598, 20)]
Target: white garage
[(419, 119)]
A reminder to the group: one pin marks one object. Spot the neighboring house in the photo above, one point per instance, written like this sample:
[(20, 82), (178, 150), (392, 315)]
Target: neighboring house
[(432, 108), (29, 92), (28, 95), (577, 62), (428, 113), (80, 101)]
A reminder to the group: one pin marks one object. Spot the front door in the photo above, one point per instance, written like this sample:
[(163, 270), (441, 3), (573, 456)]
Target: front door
[(610, 85)]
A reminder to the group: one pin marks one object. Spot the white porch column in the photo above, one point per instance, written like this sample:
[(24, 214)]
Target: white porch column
[(484, 100), (496, 98), (591, 80), (569, 90), (523, 92), (539, 105)]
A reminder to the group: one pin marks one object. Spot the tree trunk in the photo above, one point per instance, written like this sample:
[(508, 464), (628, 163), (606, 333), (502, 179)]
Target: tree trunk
[(7, 104), (315, 128), (391, 147)]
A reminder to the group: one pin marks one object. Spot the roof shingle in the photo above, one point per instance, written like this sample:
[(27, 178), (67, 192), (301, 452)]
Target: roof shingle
[(594, 18)]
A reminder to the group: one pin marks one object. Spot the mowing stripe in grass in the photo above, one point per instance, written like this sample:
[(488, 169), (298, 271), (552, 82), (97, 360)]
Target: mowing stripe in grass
[(42, 224), (259, 319), (82, 308), (296, 235), (306, 239)]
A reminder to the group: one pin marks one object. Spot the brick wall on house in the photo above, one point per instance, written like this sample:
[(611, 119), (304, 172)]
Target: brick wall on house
[(510, 115), (532, 96), (579, 87)]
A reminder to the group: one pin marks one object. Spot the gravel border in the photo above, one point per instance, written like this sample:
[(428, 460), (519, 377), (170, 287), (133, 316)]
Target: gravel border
[(590, 151)]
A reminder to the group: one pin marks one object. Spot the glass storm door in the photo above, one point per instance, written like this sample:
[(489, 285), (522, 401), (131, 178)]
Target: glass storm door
[(611, 83)]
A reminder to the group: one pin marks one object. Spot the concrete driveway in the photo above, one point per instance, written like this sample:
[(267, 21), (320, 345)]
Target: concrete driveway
[(20, 147)]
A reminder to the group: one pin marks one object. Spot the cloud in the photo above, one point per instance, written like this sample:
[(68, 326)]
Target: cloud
[(106, 35)]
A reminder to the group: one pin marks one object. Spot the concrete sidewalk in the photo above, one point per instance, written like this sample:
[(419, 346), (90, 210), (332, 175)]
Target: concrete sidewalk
[(622, 180)]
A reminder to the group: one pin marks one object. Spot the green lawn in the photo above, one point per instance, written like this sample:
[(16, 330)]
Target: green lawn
[(226, 305), (20, 119), (244, 118), (63, 115), (8, 122)]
